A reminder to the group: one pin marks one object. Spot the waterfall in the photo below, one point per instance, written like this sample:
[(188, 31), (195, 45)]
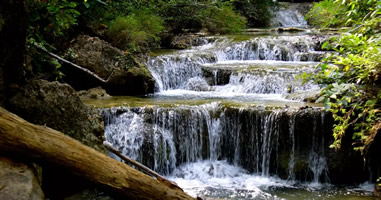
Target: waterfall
[(220, 125), (181, 70), (248, 137), (289, 15), (291, 164), (317, 160)]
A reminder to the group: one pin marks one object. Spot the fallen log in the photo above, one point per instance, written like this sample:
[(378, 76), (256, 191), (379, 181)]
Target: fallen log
[(41, 143)]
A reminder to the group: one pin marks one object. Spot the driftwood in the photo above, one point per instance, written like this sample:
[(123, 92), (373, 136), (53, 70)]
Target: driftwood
[(73, 65), (43, 144)]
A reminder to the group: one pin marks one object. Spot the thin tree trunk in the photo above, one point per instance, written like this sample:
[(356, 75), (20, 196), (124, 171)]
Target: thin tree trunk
[(43, 144), (73, 65)]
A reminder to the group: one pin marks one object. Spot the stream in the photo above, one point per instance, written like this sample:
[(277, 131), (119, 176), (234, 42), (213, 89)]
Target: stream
[(228, 120)]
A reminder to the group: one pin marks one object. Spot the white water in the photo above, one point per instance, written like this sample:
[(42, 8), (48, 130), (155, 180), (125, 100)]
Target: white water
[(218, 178), (288, 15), (182, 69)]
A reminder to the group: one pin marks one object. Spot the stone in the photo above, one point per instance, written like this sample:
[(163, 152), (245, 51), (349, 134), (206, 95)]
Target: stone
[(94, 93), (125, 75), (186, 41), (59, 107), (307, 96), (18, 181)]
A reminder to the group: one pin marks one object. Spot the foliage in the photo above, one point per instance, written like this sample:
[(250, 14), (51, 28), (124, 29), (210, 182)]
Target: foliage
[(49, 20), (223, 20), (333, 13), (135, 31), (351, 75), (192, 16), (257, 12)]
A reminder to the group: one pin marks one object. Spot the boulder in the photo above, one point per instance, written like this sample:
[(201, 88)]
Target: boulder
[(18, 181), (124, 75), (59, 107), (307, 96), (186, 41), (93, 93)]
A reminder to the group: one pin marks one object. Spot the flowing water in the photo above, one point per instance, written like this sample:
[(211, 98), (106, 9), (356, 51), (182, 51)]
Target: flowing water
[(222, 123)]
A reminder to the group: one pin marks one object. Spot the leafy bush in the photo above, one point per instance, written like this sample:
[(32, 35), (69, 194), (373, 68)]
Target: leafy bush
[(49, 20), (257, 12), (192, 16), (351, 76), (223, 20), (135, 32), (332, 12)]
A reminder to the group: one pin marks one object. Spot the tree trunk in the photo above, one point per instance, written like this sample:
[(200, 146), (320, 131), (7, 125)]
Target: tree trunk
[(13, 25), (22, 138)]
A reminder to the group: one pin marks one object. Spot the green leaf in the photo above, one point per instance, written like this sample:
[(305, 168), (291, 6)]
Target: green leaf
[(320, 99), (327, 104), (324, 66), (324, 44)]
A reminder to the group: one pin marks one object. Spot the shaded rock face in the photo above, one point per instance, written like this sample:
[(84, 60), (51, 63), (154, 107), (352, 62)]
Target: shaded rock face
[(18, 181), (124, 74), (58, 106)]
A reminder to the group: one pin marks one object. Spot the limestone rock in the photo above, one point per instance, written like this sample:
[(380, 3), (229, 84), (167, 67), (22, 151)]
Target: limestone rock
[(18, 181), (59, 107), (307, 96), (94, 93), (124, 74), (186, 41)]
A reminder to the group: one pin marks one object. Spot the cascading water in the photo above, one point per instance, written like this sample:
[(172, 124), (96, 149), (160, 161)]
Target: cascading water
[(249, 137), (289, 15), (220, 125)]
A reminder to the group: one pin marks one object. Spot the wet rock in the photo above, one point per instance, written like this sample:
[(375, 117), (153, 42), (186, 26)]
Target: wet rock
[(58, 106), (18, 181), (186, 41), (197, 84), (94, 93), (217, 76), (308, 96), (124, 74)]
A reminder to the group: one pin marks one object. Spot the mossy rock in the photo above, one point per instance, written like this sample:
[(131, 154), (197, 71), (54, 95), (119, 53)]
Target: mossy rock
[(58, 106), (124, 74)]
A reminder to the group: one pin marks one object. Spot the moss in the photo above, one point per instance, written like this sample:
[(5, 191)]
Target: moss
[(130, 101), (159, 52)]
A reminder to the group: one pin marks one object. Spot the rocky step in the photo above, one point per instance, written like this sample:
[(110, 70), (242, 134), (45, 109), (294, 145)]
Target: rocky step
[(284, 48), (258, 76), (282, 141), (182, 99)]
